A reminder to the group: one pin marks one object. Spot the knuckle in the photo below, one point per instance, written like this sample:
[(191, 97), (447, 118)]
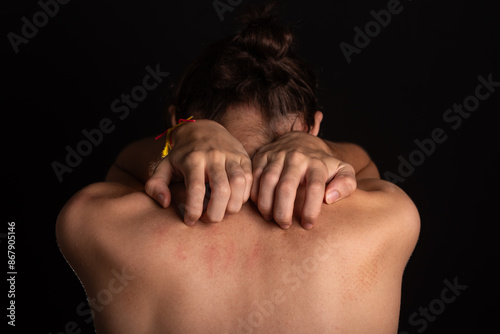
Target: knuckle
[(238, 179), (347, 169), (287, 187), (221, 189), (270, 176), (316, 186), (249, 177), (216, 154), (151, 185), (352, 184), (197, 187), (296, 157), (193, 158), (348, 181)]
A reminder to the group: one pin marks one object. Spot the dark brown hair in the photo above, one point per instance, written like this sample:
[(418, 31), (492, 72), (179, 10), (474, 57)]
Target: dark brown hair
[(257, 66)]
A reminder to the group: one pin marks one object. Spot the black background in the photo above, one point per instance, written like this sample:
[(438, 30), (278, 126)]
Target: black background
[(393, 92)]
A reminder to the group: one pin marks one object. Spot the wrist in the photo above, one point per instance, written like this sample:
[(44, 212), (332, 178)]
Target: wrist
[(316, 143), (195, 130), (201, 131)]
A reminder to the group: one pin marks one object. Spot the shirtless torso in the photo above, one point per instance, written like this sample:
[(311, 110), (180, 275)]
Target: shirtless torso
[(145, 271)]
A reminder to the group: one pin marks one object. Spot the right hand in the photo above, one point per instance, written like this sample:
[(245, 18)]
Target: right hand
[(204, 151)]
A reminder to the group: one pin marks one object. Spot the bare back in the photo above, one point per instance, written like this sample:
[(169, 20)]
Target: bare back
[(244, 275)]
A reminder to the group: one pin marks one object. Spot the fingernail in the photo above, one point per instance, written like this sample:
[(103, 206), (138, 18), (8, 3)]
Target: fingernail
[(332, 196), (161, 199), (285, 227), (189, 222)]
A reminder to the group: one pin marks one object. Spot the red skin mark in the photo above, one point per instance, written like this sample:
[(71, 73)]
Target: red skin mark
[(180, 252), (220, 258), (230, 256), (253, 257), (211, 259)]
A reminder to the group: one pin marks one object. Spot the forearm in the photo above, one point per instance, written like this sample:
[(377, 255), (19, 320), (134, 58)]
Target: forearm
[(132, 167)]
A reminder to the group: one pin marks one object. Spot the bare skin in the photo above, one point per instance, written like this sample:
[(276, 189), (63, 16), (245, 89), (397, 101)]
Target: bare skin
[(245, 274), (236, 157), (146, 271)]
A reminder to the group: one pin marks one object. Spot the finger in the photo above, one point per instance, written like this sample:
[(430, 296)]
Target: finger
[(237, 185), (342, 184), (220, 191), (208, 192), (315, 190), (267, 188), (157, 185), (286, 191), (246, 165), (194, 179), (258, 164)]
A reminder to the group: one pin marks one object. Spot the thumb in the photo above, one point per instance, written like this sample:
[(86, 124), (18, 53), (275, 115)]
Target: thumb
[(342, 184), (157, 185)]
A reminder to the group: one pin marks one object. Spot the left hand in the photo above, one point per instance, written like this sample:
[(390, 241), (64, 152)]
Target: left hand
[(295, 159)]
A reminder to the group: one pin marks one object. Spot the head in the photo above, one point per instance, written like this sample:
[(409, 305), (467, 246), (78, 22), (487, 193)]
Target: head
[(251, 82)]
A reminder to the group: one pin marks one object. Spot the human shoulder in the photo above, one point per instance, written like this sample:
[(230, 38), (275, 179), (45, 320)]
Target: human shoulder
[(389, 197), (379, 217), (398, 221), (97, 234), (89, 220), (92, 196)]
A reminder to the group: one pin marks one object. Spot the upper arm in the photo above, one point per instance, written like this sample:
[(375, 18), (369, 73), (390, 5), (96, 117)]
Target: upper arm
[(100, 240), (357, 157), (82, 220), (377, 238), (388, 236), (399, 220), (133, 164)]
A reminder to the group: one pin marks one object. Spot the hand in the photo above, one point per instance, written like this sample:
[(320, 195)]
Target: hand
[(294, 159), (204, 151)]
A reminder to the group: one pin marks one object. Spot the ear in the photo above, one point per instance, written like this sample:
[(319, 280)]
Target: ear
[(318, 117), (171, 112)]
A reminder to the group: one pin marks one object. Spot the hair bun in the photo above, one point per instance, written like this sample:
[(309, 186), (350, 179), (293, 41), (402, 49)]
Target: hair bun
[(263, 36)]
